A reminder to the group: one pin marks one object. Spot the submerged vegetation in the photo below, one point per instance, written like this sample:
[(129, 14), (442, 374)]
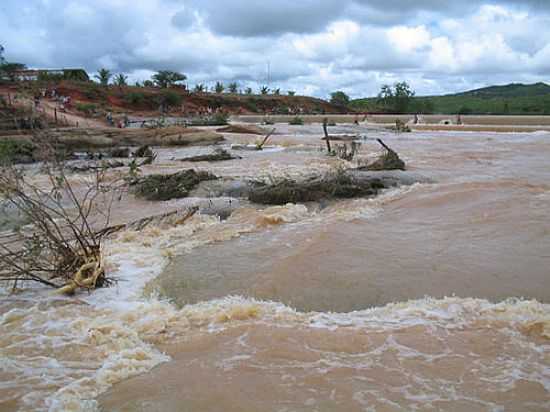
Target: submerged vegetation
[(61, 244), (166, 187)]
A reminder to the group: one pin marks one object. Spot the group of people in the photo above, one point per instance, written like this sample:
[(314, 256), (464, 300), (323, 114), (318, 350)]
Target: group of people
[(63, 101), (120, 123)]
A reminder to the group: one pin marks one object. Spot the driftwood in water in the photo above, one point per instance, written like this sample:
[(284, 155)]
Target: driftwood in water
[(166, 187), (143, 151), (254, 147), (242, 129), (88, 166), (343, 137), (218, 155), (146, 221), (260, 146), (338, 186), (388, 161), (346, 184), (327, 137)]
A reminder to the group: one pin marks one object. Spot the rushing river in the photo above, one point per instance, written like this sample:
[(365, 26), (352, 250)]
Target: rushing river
[(428, 297)]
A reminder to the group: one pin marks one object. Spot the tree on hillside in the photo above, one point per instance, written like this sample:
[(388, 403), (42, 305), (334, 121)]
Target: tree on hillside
[(291, 93), (103, 76), (148, 83), (167, 78), (121, 80), (200, 88), (264, 90), (397, 98), (403, 96), (233, 87), (219, 87), (2, 60), (277, 92), (339, 98), (248, 90)]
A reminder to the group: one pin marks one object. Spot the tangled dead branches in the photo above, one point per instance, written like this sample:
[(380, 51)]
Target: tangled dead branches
[(60, 246)]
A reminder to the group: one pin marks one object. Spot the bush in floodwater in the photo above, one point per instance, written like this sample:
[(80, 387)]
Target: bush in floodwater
[(15, 151), (334, 185), (166, 187), (296, 121)]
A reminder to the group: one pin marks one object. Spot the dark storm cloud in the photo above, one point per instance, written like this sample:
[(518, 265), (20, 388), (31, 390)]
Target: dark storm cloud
[(248, 19)]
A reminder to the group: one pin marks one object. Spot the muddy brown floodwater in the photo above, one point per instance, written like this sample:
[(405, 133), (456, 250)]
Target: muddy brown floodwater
[(429, 297), (483, 230)]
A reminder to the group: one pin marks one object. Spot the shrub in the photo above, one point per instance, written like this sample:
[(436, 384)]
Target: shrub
[(16, 151), (296, 121), (88, 108), (220, 119), (135, 98), (170, 98)]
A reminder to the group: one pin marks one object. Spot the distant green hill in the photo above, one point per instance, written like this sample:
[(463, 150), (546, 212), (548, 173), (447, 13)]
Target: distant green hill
[(517, 99)]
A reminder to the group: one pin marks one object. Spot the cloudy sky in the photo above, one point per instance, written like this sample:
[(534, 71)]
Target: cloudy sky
[(311, 46)]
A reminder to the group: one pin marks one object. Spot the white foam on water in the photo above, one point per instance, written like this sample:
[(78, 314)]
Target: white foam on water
[(64, 352)]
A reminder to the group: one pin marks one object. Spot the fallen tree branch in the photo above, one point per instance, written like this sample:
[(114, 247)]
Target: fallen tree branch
[(264, 141)]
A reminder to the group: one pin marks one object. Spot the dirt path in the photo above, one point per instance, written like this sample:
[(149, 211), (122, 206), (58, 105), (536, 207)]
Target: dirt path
[(48, 107), (71, 119)]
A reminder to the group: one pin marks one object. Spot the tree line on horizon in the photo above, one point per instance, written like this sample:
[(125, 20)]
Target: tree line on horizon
[(399, 98)]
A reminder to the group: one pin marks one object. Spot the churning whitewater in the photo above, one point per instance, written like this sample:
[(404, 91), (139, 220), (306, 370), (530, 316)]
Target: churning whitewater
[(430, 296)]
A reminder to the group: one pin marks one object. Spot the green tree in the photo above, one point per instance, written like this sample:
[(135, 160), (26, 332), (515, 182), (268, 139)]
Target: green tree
[(264, 90), (2, 60), (277, 92), (403, 96), (200, 88), (291, 93), (148, 83), (103, 76), (233, 87), (385, 97), (121, 80), (339, 98), (248, 90), (219, 87), (167, 78), (168, 99), (397, 98)]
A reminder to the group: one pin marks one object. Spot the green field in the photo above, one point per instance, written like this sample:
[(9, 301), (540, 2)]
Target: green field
[(512, 99)]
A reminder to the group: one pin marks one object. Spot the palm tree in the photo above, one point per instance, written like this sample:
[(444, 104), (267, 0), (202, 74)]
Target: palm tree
[(291, 93), (103, 75), (219, 88), (121, 80), (248, 90), (167, 78), (233, 87), (277, 92), (200, 88), (264, 90)]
